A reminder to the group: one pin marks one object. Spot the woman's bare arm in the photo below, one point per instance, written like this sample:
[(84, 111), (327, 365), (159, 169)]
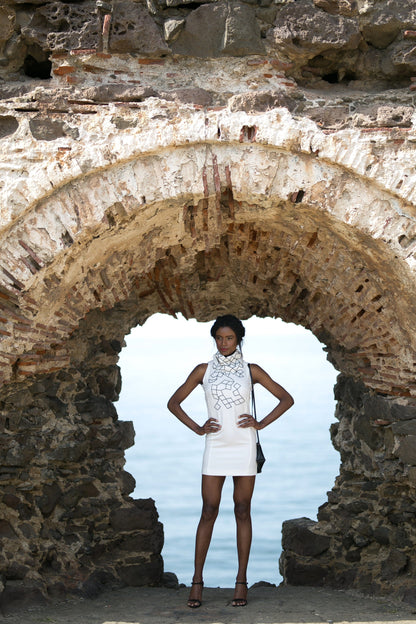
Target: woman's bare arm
[(285, 399), (174, 403)]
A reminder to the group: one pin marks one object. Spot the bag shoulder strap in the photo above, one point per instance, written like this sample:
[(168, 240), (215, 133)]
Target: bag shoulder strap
[(253, 400)]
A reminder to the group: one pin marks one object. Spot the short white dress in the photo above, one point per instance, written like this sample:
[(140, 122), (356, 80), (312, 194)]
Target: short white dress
[(231, 451)]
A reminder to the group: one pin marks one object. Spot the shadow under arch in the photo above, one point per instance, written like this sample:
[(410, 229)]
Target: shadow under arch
[(244, 227)]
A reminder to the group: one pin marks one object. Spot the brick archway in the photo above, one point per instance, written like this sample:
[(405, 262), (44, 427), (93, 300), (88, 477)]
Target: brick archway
[(264, 216)]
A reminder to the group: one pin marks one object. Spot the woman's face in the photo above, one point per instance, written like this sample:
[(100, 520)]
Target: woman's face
[(226, 340)]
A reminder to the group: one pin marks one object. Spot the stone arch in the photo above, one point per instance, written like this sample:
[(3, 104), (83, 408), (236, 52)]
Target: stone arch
[(258, 214)]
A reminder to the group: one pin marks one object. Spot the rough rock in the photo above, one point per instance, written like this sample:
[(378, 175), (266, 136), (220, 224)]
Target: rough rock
[(382, 22), (7, 25), (198, 96), (172, 28), (301, 29), (18, 594), (46, 129), (298, 536), (56, 27), (254, 157), (141, 515), (364, 512), (260, 101), (335, 7), (134, 30), (406, 450), (116, 92), (219, 28), (315, 40)]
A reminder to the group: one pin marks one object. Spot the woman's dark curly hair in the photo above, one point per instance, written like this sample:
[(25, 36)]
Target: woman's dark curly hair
[(229, 320)]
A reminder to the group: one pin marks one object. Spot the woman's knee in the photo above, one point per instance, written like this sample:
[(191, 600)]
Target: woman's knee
[(242, 510), (209, 512)]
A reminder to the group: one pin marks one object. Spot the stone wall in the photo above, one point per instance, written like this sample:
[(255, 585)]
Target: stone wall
[(68, 523), (365, 535), (202, 157), (328, 40)]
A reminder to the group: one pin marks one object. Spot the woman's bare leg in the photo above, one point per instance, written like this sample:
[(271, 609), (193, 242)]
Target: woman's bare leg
[(243, 492), (211, 497)]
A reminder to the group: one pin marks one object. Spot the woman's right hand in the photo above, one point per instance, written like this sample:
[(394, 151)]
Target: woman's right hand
[(212, 425)]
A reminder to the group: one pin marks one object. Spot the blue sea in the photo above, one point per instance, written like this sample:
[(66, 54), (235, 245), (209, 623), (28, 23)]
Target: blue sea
[(301, 463)]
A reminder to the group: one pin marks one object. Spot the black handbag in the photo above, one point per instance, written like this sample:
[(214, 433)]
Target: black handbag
[(260, 458)]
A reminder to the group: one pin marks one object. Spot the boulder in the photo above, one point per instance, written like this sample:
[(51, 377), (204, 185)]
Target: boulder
[(406, 450), (302, 31), (140, 515), (395, 563), (298, 572), (143, 571), (134, 30), (18, 594), (51, 494), (45, 129), (298, 536), (223, 28), (382, 22), (58, 26)]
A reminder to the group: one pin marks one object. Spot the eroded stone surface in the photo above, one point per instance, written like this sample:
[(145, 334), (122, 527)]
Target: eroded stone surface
[(315, 40), (63, 484), (216, 156), (367, 511)]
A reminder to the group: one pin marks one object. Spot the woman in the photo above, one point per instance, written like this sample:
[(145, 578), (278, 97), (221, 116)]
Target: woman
[(230, 443)]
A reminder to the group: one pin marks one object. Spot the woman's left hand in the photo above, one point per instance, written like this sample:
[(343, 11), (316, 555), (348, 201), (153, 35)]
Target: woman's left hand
[(247, 420)]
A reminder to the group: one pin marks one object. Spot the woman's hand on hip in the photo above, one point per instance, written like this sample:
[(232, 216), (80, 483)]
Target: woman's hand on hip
[(212, 425), (247, 420)]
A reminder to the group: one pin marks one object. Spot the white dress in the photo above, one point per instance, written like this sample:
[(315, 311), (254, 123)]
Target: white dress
[(231, 451)]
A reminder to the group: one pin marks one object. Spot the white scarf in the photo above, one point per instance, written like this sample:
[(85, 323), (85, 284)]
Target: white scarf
[(226, 364)]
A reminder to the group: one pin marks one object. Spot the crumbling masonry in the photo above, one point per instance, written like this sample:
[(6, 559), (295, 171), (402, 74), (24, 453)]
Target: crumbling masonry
[(202, 157)]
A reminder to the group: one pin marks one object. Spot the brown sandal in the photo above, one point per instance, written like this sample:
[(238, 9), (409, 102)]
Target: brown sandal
[(194, 603), (239, 602)]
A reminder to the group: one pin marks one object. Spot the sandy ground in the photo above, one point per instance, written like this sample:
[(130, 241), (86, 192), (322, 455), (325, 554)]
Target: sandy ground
[(267, 605)]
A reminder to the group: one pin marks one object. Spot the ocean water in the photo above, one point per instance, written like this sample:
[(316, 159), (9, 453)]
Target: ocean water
[(301, 463)]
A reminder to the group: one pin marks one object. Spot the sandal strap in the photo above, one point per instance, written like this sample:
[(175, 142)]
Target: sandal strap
[(241, 583), (197, 583)]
